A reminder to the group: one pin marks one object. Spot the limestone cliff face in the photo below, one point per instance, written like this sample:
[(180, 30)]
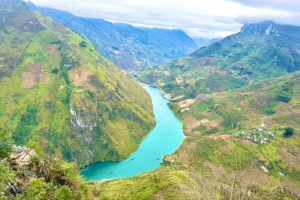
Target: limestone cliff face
[(263, 28)]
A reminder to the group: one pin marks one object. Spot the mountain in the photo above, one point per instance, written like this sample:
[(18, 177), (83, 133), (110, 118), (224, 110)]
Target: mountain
[(236, 148), (65, 102), (59, 96), (130, 47), (238, 100), (259, 51), (202, 42)]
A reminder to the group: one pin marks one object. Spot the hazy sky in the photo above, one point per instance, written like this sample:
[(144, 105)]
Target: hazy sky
[(203, 18)]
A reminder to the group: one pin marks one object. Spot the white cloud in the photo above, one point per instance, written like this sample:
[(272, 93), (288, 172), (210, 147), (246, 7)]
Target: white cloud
[(205, 18)]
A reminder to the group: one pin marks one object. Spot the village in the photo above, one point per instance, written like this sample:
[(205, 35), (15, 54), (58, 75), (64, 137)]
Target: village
[(257, 135)]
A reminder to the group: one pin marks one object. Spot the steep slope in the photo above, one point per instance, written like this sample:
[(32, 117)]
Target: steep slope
[(259, 51), (62, 96), (130, 47), (235, 148), (20, 34), (239, 129), (26, 175)]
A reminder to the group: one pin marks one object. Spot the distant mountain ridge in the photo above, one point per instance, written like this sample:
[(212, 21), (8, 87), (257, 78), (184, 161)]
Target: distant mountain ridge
[(259, 51), (130, 47), (263, 28), (237, 99), (272, 29)]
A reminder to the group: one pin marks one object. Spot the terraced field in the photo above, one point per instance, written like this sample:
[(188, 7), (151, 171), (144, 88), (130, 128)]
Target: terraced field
[(234, 149)]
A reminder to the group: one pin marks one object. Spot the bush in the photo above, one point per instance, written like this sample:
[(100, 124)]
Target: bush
[(269, 111), (285, 92), (28, 121), (55, 71), (5, 176), (63, 193), (288, 132), (284, 99), (83, 44), (5, 148), (37, 189)]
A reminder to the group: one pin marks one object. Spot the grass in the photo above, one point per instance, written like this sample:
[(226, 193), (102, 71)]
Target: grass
[(216, 160), (38, 94), (206, 166), (213, 161)]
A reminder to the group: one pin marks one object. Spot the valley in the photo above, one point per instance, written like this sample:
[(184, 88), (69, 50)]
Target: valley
[(164, 139), (235, 123), (130, 47), (220, 122)]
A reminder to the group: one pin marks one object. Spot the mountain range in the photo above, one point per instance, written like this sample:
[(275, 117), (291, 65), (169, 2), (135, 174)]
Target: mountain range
[(259, 51), (238, 99), (63, 105), (130, 47)]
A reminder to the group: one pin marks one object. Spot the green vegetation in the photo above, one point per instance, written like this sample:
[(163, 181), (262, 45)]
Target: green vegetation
[(42, 178), (231, 63), (218, 164), (130, 47), (284, 93), (288, 132), (4, 149), (62, 97), (83, 44), (235, 113), (70, 104), (28, 121)]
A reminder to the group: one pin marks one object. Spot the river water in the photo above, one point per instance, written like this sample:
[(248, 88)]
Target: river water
[(165, 138)]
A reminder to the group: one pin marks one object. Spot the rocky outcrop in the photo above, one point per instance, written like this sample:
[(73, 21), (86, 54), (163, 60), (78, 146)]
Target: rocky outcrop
[(263, 28), (21, 162), (21, 156)]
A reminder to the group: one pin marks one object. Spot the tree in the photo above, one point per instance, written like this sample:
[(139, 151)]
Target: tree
[(5, 146), (83, 44), (288, 132), (63, 193)]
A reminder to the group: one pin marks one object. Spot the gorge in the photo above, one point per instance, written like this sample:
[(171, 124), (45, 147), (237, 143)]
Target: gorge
[(164, 139)]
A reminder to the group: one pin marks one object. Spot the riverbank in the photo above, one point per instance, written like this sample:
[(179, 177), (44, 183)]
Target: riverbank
[(168, 135)]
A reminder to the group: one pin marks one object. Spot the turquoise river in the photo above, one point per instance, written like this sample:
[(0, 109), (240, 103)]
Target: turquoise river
[(165, 138)]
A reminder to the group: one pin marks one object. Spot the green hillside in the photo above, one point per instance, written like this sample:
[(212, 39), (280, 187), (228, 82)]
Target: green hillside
[(235, 148), (259, 51), (64, 106), (239, 103), (60, 96), (131, 47)]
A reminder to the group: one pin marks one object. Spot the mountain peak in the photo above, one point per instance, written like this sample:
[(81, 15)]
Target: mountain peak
[(262, 28)]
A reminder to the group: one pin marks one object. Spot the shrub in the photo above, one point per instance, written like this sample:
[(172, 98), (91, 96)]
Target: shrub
[(55, 71), (284, 99), (37, 189), (83, 44), (288, 132), (5, 176), (269, 111), (284, 93), (5, 148), (28, 121), (63, 193)]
